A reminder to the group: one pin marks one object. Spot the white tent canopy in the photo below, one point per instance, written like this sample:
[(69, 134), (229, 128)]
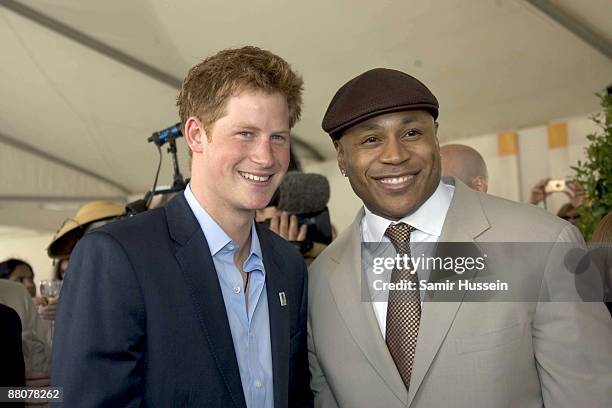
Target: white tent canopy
[(85, 82)]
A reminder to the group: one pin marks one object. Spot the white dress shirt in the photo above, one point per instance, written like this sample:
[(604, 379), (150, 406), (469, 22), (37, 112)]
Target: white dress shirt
[(428, 220)]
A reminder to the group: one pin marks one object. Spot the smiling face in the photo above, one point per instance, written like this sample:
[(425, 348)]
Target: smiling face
[(241, 161), (392, 161)]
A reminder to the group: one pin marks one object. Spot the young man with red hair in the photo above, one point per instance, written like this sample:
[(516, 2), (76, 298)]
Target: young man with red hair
[(193, 303)]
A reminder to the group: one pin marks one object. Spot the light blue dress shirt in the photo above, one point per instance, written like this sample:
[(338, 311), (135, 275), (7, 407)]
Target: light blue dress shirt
[(249, 323)]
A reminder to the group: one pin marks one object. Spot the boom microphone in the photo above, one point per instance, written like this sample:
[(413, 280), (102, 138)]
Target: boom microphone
[(161, 137), (306, 195), (303, 193)]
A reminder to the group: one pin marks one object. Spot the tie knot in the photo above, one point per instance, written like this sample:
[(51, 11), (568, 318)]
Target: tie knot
[(399, 235)]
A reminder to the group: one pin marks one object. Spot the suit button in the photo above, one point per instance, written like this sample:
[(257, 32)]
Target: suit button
[(236, 289)]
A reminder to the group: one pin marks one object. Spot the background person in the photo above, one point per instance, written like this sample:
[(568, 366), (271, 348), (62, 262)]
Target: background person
[(301, 196), (34, 336), (20, 271), (573, 191), (603, 230), (89, 216), (465, 164), (12, 373), (602, 238)]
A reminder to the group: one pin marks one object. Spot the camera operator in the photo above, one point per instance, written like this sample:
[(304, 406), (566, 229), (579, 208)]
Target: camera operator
[(573, 191), (298, 212)]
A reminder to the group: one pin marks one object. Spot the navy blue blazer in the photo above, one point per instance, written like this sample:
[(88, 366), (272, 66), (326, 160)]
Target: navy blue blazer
[(141, 319)]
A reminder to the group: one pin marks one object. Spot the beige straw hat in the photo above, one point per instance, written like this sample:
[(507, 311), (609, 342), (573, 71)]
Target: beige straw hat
[(73, 229)]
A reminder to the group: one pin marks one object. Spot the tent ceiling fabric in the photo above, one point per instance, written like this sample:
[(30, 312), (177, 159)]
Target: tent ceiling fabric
[(493, 64), (593, 14)]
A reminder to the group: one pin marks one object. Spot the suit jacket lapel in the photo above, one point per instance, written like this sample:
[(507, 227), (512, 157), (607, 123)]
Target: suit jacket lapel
[(358, 314), (196, 262), (276, 282), (464, 222)]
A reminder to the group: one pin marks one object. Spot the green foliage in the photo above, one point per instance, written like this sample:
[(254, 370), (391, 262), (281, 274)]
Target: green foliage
[(595, 173)]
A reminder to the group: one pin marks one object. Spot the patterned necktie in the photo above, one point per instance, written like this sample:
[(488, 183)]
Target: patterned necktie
[(404, 307)]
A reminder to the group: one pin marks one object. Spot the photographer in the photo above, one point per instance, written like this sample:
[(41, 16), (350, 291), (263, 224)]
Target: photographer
[(573, 191)]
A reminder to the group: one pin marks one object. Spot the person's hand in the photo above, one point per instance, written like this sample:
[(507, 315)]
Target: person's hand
[(39, 301), (46, 310), (538, 192), (575, 193), (288, 227)]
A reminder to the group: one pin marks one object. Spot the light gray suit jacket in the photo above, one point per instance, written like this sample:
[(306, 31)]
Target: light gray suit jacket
[(468, 354)]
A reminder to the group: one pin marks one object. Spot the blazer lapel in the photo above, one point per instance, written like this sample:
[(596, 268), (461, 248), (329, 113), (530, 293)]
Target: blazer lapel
[(196, 262), (464, 222), (276, 282), (358, 314)]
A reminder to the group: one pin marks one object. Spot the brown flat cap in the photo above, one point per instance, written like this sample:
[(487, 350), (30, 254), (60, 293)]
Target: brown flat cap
[(374, 93)]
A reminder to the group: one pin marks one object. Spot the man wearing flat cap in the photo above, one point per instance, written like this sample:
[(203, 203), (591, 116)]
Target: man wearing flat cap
[(437, 348)]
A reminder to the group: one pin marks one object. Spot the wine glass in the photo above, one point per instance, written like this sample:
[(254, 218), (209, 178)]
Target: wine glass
[(50, 290)]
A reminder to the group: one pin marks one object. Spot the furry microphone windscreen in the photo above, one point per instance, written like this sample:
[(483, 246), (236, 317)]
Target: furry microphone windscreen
[(303, 193)]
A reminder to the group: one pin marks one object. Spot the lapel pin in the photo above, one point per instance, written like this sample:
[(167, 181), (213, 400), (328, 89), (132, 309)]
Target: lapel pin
[(283, 298)]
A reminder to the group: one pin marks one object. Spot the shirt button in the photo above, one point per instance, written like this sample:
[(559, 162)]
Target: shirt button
[(258, 384), (236, 289), (230, 247)]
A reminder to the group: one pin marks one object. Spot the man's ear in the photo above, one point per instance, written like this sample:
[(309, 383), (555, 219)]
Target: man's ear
[(436, 134), (340, 157), (195, 135)]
